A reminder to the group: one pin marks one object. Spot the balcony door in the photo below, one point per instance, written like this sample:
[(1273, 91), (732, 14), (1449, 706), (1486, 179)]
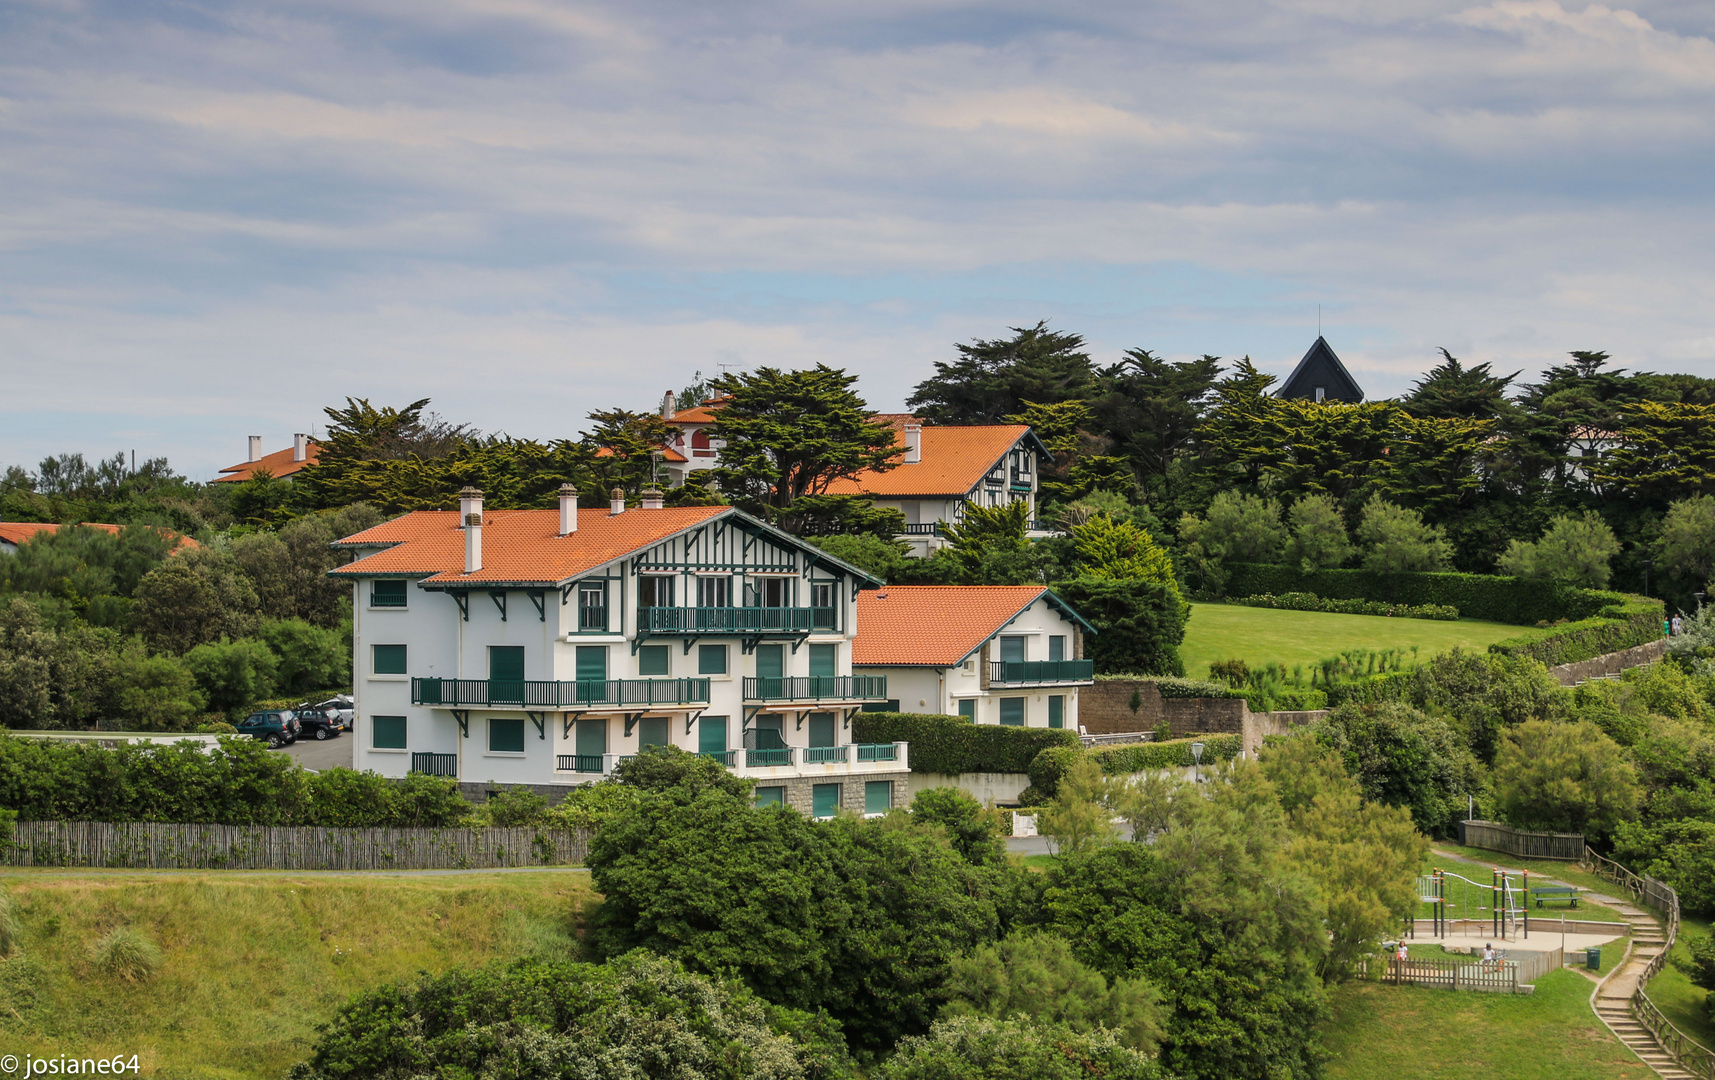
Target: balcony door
[(592, 673), (769, 592), (592, 744), (769, 733), (771, 670), (506, 674), (822, 729)]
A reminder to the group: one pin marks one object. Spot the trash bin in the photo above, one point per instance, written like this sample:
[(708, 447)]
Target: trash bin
[(1593, 957)]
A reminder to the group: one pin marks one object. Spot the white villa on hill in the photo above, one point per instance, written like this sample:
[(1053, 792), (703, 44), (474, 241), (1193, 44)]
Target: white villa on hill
[(539, 647), (999, 654)]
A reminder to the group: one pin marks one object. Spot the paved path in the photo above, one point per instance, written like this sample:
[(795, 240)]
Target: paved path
[(1613, 997), (321, 755)]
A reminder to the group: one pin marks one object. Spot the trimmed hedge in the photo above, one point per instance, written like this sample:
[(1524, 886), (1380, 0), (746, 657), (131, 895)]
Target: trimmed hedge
[(1590, 638), (954, 745), (1192, 688), (1285, 699), (1304, 601), (1051, 764), (1490, 597)]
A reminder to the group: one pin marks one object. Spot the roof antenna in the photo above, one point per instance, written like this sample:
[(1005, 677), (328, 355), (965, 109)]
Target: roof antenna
[(1318, 320)]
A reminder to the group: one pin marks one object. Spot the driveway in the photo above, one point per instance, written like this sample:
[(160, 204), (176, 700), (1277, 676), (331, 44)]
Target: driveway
[(317, 756)]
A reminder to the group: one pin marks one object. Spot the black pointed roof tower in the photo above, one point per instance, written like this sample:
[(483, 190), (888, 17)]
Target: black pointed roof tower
[(1321, 370)]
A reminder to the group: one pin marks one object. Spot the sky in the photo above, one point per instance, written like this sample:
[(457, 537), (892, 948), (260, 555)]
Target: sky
[(217, 219)]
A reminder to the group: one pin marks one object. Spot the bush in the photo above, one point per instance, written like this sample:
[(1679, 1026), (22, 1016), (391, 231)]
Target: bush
[(1051, 764), (232, 674), (1193, 688), (1577, 550), (1231, 672), (126, 954), (1489, 597), (1565, 777), (309, 656), (1311, 602), (1623, 626), (515, 807), (977, 834), (979, 1048), (951, 745), (1403, 757)]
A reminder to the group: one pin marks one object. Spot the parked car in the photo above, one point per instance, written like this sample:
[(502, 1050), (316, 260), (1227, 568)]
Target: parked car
[(323, 723), (344, 705), (276, 727)]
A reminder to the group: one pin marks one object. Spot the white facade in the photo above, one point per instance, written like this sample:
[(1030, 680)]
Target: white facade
[(1026, 673), (729, 638)]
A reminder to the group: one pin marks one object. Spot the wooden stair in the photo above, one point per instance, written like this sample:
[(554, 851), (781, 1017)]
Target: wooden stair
[(1613, 997)]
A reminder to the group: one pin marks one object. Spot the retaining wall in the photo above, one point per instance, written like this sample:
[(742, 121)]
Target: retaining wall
[(987, 788), (1609, 664), (1116, 706)]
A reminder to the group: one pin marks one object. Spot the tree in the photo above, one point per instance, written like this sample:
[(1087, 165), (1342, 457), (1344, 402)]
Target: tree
[(51, 678), (192, 599), (791, 434), (671, 770), (980, 1048), (1396, 540), (353, 458), (80, 564), (1668, 453), (1035, 975), (1081, 464), (1236, 528), (1576, 550), (232, 674), (1484, 694), (992, 380), (1139, 623), (623, 446), (1452, 391), (884, 557), (1319, 540), (152, 693), (976, 833), (1687, 545), (987, 546), (1404, 758), (1078, 819), (1567, 777), (310, 657), (1150, 408), (1105, 548), (1436, 465), (289, 568)]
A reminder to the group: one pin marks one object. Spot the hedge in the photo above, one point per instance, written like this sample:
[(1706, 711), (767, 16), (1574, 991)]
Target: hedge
[(1490, 597), (1285, 699), (1051, 764), (952, 744), (1586, 639), (1303, 601), (294, 702), (1192, 688)]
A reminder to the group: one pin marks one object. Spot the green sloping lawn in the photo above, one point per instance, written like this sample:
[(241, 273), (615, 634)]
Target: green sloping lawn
[(1261, 636)]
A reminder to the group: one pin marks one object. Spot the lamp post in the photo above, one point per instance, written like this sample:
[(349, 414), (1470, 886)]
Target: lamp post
[(1197, 762), (1699, 601)]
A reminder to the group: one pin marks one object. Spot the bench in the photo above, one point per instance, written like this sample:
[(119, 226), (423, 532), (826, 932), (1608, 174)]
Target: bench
[(1556, 892)]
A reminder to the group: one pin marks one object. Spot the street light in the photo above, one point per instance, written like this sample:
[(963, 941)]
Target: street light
[(1197, 762)]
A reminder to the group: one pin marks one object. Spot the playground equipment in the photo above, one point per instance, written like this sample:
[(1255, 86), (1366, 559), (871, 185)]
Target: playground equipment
[(1508, 907)]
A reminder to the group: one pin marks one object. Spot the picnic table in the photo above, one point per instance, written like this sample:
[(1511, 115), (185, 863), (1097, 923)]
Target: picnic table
[(1555, 892)]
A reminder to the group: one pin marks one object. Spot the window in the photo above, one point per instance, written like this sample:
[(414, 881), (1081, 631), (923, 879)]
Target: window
[(769, 732), (592, 738), (387, 659), (770, 796), (506, 735), (822, 729), (592, 666), (654, 660), (506, 674), (771, 663), (768, 592), (714, 592), (822, 594), (824, 800), (1321, 393), (387, 732), (882, 706), (652, 731), (711, 735), (1057, 647), (878, 796), (386, 594), (1056, 710), (1012, 711), (655, 591), (592, 607), (824, 660), (968, 708), (711, 659), (1012, 649)]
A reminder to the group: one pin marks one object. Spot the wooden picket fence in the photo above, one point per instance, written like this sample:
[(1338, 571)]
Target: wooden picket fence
[(1502, 976), (1526, 845), (157, 846)]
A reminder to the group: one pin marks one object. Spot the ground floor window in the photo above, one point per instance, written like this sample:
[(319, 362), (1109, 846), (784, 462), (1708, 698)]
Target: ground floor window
[(711, 735), (824, 800), (968, 708), (1057, 710), (505, 735), (1012, 711), (878, 796), (882, 706), (387, 732), (652, 731), (770, 796)]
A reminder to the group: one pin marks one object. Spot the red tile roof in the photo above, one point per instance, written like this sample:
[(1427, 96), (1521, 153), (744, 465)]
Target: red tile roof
[(279, 463), (667, 453), (16, 532), (703, 413), (955, 460), (933, 625), (517, 545)]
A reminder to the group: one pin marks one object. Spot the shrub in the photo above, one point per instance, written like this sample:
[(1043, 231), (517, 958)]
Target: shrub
[(1622, 626), (951, 745), (1566, 777), (1231, 672), (232, 674), (1396, 539), (1318, 534), (977, 834), (1300, 601), (126, 954), (1051, 764), (1574, 549), (1194, 688), (980, 1048), (1489, 597)]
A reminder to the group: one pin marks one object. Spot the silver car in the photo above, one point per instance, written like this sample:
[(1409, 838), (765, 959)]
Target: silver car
[(343, 705)]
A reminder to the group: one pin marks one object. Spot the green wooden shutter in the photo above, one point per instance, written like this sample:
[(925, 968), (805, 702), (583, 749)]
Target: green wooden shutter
[(878, 796), (592, 738), (770, 732), (711, 659), (968, 708), (824, 660), (1056, 710), (387, 732), (824, 800), (770, 661), (822, 729), (387, 659), (387, 593), (770, 796), (1012, 711), (652, 731), (506, 674), (1012, 649), (654, 660), (506, 735), (592, 672), (1057, 647), (711, 735)]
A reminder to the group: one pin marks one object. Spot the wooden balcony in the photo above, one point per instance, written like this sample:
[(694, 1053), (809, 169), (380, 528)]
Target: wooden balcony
[(574, 694), (1041, 672), (735, 621), (817, 688)]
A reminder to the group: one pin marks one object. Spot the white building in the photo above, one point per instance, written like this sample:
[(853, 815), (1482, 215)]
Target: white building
[(999, 654), (540, 647)]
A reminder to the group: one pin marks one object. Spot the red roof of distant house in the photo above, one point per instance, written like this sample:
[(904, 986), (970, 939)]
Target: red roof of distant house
[(933, 625), (955, 460), (278, 464), (704, 413), (667, 453), (17, 532)]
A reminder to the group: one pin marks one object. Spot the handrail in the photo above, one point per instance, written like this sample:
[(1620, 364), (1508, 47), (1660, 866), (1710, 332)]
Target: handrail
[(1691, 1055)]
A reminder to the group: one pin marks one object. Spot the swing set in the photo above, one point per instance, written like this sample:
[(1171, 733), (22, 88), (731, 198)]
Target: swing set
[(1508, 907)]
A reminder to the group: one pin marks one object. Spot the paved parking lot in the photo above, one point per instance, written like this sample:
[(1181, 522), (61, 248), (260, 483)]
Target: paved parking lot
[(322, 755)]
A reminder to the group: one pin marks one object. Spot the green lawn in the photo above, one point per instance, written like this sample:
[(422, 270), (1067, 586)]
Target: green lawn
[(1261, 636), (251, 964), (1416, 1033)]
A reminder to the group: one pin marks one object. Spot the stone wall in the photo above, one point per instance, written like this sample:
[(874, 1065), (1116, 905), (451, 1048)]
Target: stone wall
[(990, 789), (1610, 664), (1114, 706)]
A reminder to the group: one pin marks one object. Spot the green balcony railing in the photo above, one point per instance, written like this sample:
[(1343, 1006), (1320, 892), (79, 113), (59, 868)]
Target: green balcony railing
[(1041, 671), (825, 755), (757, 759), (540, 694), (735, 620), (584, 763), (877, 752), (725, 757), (817, 688), (435, 764)]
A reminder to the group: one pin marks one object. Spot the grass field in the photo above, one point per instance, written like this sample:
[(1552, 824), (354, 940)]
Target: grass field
[(1416, 1033), (251, 963), (1264, 635)]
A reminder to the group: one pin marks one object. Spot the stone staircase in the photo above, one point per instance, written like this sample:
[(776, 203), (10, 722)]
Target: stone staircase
[(1613, 997)]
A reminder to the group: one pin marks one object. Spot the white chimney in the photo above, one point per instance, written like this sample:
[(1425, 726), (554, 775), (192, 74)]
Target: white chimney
[(616, 501), (470, 518), (652, 499), (668, 409), (255, 448), (913, 443), (300, 446), (568, 509)]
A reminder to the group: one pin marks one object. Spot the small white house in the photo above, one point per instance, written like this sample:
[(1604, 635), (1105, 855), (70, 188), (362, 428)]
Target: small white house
[(541, 647), (998, 654)]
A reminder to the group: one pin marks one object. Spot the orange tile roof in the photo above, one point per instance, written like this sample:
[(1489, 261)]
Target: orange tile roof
[(955, 460), (16, 532), (704, 413), (279, 463), (933, 625), (517, 545), (667, 453)]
